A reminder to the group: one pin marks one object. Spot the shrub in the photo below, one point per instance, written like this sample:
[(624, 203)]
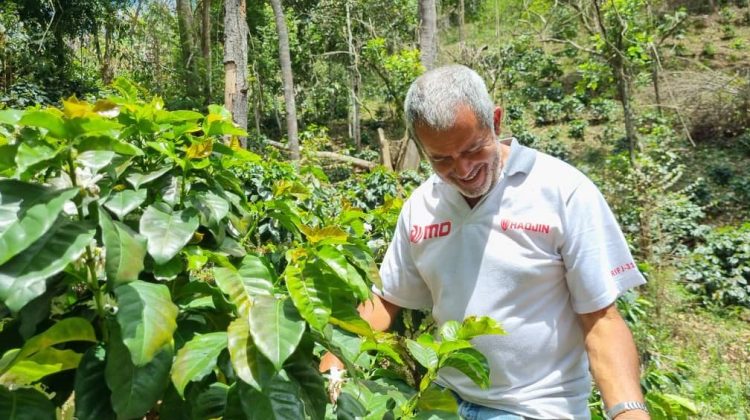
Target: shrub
[(577, 129), (719, 270), (547, 112), (709, 50), (601, 110), (572, 107)]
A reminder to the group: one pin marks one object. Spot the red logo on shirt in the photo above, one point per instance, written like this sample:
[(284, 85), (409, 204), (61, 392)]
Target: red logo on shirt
[(621, 269), (437, 230), (506, 224)]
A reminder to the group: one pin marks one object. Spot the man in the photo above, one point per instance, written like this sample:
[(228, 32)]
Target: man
[(505, 231)]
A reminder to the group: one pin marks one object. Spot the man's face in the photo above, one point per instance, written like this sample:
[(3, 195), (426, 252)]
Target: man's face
[(465, 155)]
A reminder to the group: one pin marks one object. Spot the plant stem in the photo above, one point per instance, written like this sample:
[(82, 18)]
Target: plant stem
[(93, 283)]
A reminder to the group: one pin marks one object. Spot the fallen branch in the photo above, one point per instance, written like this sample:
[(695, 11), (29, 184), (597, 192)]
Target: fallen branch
[(361, 163)]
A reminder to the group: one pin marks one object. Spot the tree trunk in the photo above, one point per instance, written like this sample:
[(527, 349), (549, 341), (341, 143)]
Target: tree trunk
[(461, 27), (235, 62), (187, 47), (428, 33), (355, 131), (655, 78), (287, 80), (206, 50), (623, 90)]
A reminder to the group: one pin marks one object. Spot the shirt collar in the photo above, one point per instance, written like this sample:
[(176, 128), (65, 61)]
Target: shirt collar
[(521, 158)]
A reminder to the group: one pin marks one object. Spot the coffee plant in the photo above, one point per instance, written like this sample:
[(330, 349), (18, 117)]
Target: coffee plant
[(148, 268)]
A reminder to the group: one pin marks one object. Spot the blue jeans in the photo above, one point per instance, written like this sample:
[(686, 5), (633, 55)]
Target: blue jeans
[(470, 411)]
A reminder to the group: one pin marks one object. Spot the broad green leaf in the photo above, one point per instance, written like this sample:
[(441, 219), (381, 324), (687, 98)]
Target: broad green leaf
[(7, 155), (275, 327), (423, 354), (95, 159), (309, 294), (357, 401), (348, 319), (27, 211), (451, 346), (100, 142), (277, 401), (92, 397), (68, 329), (137, 179), (364, 262), (471, 363), (135, 389), (23, 277), (123, 202), (39, 365), (243, 353), (252, 278), (25, 404), (10, 116), (48, 120), (384, 347), (436, 415), (170, 269), (304, 373), (438, 399), (212, 208), (147, 317), (28, 156), (180, 115), (327, 235), (197, 358), (167, 233), (126, 251), (336, 261), (474, 326), (210, 403)]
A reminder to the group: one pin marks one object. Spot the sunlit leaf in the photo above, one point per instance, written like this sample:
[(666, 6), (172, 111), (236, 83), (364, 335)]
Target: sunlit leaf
[(123, 202), (275, 327), (197, 358), (147, 317), (167, 233), (126, 251)]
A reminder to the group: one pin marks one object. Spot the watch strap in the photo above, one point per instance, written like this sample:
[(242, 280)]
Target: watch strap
[(625, 406)]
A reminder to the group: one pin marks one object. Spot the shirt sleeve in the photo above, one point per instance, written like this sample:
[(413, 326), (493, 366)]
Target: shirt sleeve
[(599, 265), (402, 283)]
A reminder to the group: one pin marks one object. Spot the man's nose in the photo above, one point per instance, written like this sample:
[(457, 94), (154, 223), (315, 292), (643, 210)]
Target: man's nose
[(463, 167)]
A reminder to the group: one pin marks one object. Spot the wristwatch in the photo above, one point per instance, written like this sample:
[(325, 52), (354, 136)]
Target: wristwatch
[(625, 406)]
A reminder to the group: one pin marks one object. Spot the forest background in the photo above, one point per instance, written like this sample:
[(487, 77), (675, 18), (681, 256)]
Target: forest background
[(285, 199)]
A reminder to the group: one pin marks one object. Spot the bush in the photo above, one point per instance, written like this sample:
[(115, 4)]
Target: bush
[(601, 110), (572, 107), (709, 50), (547, 112), (719, 270), (577, 129)]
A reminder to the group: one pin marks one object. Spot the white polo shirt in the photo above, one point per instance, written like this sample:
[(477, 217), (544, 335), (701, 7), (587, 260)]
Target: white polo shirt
[(541, 247)]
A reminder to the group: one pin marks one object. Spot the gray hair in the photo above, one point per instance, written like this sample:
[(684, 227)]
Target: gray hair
[(434, 97)]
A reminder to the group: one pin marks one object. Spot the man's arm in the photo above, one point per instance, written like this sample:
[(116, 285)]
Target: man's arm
[(613, 359), (379, 313)]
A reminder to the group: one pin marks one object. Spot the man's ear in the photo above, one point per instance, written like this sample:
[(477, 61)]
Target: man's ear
[(498, 119)]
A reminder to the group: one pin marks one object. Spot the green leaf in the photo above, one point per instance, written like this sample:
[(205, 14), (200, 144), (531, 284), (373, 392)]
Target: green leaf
[(383, 347), (471, 363), (212, 208), (39, 365), (7, 156), (23, 277), (25, 404), (10, 116), (126, 251), (135, 389), (99, 142), (92, 397), (243, 353), (197, 358), (69, 329), (50, 121), (439, 399), (167, 233), (336, 261), (474, 326), (123, 202), (147, 317), (210, 404), (423, 354), (253, 278), (309, 294), (95, 159), (27, 211), (277, 401), (275, 327), (30, 155), (304, 373), (137, 179), (364, 262)]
